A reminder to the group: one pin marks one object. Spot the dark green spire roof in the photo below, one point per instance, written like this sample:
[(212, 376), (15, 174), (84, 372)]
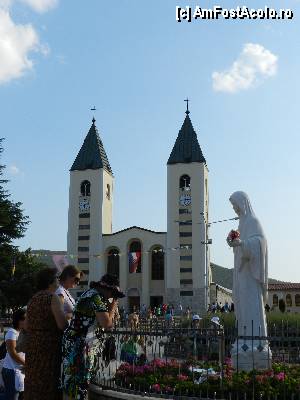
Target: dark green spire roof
[(92, 154), (186, 148)]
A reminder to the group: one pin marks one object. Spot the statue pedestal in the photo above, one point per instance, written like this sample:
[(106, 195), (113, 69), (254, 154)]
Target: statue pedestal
[(248, 355)]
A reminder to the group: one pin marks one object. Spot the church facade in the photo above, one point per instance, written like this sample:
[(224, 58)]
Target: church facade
[(153, 267)]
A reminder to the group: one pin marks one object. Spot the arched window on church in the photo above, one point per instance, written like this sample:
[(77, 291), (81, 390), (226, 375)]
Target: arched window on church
[(157, 264), (85, 188), (275, 300), (113, 262), (135, 257), (185, 182), (288, 300), (297, 300), (108, 192)]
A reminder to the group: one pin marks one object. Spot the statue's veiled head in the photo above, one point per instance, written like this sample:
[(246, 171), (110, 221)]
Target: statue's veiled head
[(241, 204)]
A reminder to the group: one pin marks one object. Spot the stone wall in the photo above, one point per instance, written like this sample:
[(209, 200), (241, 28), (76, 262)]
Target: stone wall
[(220, 294)]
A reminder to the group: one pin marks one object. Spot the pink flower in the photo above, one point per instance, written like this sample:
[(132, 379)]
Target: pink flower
[(228, 361), (139, 370), (148, 368), (156, 387), (158, 363), (182, 377), (260, 378), (173, 363), (280, 376), (270, 373)]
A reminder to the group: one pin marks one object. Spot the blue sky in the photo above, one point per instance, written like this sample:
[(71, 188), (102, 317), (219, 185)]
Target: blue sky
[(133, 61)]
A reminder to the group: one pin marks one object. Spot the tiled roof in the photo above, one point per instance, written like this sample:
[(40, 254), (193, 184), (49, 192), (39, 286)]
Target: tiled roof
[(284, 286), (92, 154), (186, 148)]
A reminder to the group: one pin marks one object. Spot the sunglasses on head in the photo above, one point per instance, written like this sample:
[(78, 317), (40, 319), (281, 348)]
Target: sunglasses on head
[(76, 280)]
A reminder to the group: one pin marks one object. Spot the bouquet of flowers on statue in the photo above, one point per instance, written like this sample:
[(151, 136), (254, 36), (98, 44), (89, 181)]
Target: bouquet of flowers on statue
[(233, 235)]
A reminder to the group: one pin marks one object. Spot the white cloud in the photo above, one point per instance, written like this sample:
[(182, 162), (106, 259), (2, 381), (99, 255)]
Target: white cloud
[(253, 65), (40, 5), (16, 42), (14, 170), (5, 4)]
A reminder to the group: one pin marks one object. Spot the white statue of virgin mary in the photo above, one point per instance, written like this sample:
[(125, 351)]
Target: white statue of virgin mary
[(250, 285)]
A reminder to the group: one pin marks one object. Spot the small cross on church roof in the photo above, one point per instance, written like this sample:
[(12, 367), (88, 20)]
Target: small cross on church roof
[(187, 105)]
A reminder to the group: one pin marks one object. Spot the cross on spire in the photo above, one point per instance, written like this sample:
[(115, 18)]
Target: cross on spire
[(93, 109), (187, 106)]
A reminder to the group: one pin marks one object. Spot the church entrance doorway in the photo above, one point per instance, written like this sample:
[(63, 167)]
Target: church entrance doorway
[(156, 301), (133, 296), (134, 303)]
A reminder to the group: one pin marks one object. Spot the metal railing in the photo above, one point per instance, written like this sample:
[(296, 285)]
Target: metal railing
[(166, 360)]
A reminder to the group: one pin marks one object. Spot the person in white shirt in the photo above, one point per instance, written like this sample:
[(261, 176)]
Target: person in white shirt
[(180, 309), (13, 365), (68, 279)]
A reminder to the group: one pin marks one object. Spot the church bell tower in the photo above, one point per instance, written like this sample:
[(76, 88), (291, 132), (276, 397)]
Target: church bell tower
[(188, 202), (90, 206)]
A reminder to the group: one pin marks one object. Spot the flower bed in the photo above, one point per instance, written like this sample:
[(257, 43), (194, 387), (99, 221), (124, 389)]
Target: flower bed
[(193, 378)]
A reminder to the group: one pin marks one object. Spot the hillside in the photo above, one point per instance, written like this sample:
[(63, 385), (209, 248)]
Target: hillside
[(224, 276)]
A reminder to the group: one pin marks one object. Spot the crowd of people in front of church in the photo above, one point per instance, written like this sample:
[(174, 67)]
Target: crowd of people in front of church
[(220, 307), (47, 349)]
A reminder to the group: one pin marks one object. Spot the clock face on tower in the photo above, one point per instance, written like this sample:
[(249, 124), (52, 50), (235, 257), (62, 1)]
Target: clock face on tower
[(84, 205), (185, 199)]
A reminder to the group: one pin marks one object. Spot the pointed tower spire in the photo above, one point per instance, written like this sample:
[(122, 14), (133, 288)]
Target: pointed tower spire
[(92, 154), (186, 148)]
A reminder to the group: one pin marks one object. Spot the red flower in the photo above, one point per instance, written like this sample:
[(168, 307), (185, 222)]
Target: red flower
[(156, 387), (182, 377), (233, 235)]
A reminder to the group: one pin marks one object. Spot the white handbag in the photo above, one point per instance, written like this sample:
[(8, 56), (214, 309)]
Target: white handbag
[(19, 380)]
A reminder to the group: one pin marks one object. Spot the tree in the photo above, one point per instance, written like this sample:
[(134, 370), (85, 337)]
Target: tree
[(20, 286), (17, 269), (13, 223)]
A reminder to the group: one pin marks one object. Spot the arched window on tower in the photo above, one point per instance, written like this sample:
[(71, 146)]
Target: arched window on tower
[(108, 192), (288, 300), (297, 300), (85, 188), (185, 182), (157, 264), (275, 300), (113, 262), (135, 257)]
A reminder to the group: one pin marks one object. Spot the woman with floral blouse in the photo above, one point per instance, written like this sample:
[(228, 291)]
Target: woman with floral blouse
[(78, 358)]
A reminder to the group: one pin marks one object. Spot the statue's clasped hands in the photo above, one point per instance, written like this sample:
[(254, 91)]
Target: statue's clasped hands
[(234, 243)]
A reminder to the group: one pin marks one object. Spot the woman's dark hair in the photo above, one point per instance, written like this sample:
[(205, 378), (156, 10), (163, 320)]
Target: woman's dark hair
[(108, 279), (45, 278), (18, 316), (70, 271)]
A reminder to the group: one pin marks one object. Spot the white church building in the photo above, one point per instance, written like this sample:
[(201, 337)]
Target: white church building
[(153, 267)]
